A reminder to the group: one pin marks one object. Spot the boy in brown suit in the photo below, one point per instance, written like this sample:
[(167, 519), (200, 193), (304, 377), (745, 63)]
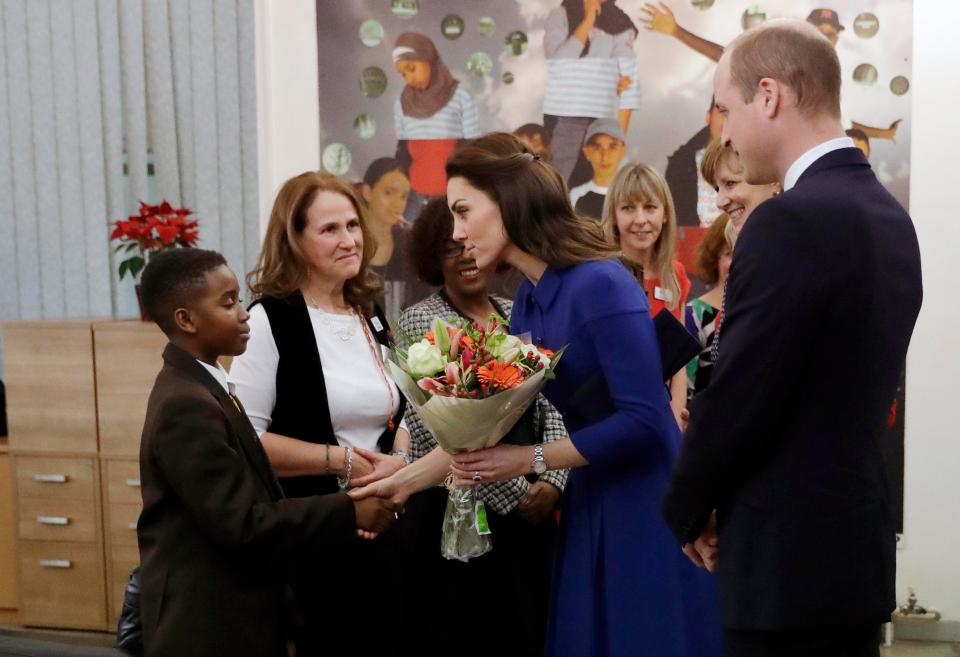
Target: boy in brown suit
[(215, 532)]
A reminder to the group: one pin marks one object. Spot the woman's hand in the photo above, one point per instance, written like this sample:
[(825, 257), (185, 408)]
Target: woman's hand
[(538, 502), (362, 466), (382, 466), (494, 464), (387, 489)]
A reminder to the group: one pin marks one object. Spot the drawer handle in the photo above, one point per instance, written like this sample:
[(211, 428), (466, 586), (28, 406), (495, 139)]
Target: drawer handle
[(132, 525), (133, 483), (53, 520), (50, 478), (56, 563)]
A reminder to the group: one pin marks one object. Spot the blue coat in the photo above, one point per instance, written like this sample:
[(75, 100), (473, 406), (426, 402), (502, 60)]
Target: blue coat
[(621, 586)]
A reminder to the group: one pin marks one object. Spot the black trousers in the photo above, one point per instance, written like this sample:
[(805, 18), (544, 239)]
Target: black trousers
[(491, 605), (847, 642)]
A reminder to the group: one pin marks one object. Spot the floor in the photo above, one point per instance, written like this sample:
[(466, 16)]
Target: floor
[(18, 642)]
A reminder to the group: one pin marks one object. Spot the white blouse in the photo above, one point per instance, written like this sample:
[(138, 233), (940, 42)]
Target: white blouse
[(356, 393)]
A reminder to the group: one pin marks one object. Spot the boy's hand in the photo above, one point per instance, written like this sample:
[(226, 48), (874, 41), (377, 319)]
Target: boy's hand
[(374, 515)]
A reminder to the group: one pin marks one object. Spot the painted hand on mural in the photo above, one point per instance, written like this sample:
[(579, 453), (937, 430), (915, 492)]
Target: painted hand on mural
[(658, 19)]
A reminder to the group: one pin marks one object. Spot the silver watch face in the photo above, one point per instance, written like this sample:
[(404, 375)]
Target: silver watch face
[(539, 467)]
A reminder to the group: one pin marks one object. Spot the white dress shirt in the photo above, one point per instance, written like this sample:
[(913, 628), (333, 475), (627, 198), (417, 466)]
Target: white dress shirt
[(219, 374), (804, 161)]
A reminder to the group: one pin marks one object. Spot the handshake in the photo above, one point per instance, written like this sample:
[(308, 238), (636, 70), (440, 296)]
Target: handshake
[(375, 515)]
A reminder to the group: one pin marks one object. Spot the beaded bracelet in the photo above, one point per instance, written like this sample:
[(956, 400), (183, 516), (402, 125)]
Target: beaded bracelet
[(407, 460), (344, 481)]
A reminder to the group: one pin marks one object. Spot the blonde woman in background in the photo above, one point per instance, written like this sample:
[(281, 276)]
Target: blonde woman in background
[(639, 216)]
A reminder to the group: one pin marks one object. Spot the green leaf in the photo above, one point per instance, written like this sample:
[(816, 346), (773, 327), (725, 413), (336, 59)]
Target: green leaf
[(136, 265), (124, 266), (132, 246)]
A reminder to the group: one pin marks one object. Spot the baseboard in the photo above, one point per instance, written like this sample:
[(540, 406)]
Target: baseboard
[(927, 631), (9, 616)]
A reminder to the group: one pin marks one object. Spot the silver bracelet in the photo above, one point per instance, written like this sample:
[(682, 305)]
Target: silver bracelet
[(344, 481), (407, 459)]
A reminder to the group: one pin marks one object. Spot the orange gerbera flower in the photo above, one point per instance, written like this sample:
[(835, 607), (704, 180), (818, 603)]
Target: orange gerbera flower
[(428, 336), (500, 375)]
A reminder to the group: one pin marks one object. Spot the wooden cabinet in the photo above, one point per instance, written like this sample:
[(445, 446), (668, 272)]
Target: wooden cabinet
[(51, 400), (128, 358), (76, 397), (8, 535)]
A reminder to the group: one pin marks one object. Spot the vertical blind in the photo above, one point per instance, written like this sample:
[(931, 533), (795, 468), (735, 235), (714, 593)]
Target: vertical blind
[(107, 102)]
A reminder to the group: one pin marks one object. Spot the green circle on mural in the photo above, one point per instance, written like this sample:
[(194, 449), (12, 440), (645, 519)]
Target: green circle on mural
[(371, 33), (752, 16), (452, 26), (487, 26), (865, 74), (899, 85), (405, 8), (336, 159), (480, 64), (365, 126), (702, 4), (516, 43), (866, 25), (373, 81), (508, 77)]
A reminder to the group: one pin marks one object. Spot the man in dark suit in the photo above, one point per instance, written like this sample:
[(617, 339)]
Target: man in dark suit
[(215, 532), (784, 445)]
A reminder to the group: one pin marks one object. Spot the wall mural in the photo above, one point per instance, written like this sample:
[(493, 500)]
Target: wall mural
[(403, 81)]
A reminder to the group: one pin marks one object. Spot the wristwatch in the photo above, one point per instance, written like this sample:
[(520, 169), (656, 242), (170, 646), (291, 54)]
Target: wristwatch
[(539, 463)]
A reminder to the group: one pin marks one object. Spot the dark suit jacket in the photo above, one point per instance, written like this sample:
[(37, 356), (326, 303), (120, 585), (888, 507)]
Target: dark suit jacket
[(214, 533), (681, 176), (785, 441)]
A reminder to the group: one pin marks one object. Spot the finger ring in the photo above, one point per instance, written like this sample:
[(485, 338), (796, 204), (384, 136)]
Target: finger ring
[(477, 477), (396, 516)]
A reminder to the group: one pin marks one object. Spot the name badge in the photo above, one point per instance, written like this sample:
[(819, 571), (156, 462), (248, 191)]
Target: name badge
[(376, 323), (662, 294)]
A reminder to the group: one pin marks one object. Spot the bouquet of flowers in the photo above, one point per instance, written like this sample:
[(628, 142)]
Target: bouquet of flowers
[(155, 228), (470, 383)]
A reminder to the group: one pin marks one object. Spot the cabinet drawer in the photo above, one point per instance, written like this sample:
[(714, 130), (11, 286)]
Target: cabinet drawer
[(123, 524), (62, 585), (56, 478), (57, 520), (122, 562), (123, 482)]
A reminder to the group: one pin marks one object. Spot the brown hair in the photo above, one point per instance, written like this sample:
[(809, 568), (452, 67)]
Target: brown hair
[(641, 182), (533, 200), (708, 251), (283, 268), (792, 52), (429, 238), (715, 155)]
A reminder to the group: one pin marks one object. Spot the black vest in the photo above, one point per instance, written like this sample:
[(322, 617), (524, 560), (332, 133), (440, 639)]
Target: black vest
[(302, 410)]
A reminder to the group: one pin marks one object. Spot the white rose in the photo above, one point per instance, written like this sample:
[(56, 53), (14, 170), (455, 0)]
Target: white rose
[(424, 359), (498, 348)]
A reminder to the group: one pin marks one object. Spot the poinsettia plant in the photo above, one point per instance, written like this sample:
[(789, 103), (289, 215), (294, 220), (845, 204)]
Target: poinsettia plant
[(156, 228)]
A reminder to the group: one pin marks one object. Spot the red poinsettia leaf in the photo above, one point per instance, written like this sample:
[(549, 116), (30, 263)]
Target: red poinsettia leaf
[(146, 208), (183, 212), (117, 232), (167, 234), (165, 208)]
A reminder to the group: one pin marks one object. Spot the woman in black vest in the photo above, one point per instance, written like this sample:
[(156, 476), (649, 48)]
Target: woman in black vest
[(315, 387)]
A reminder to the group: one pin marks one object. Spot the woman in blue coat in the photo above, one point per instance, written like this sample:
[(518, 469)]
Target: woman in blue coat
[(621, 585)]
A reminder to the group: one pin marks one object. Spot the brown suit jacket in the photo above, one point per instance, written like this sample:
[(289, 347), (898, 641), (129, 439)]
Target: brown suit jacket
[(215, 532)]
